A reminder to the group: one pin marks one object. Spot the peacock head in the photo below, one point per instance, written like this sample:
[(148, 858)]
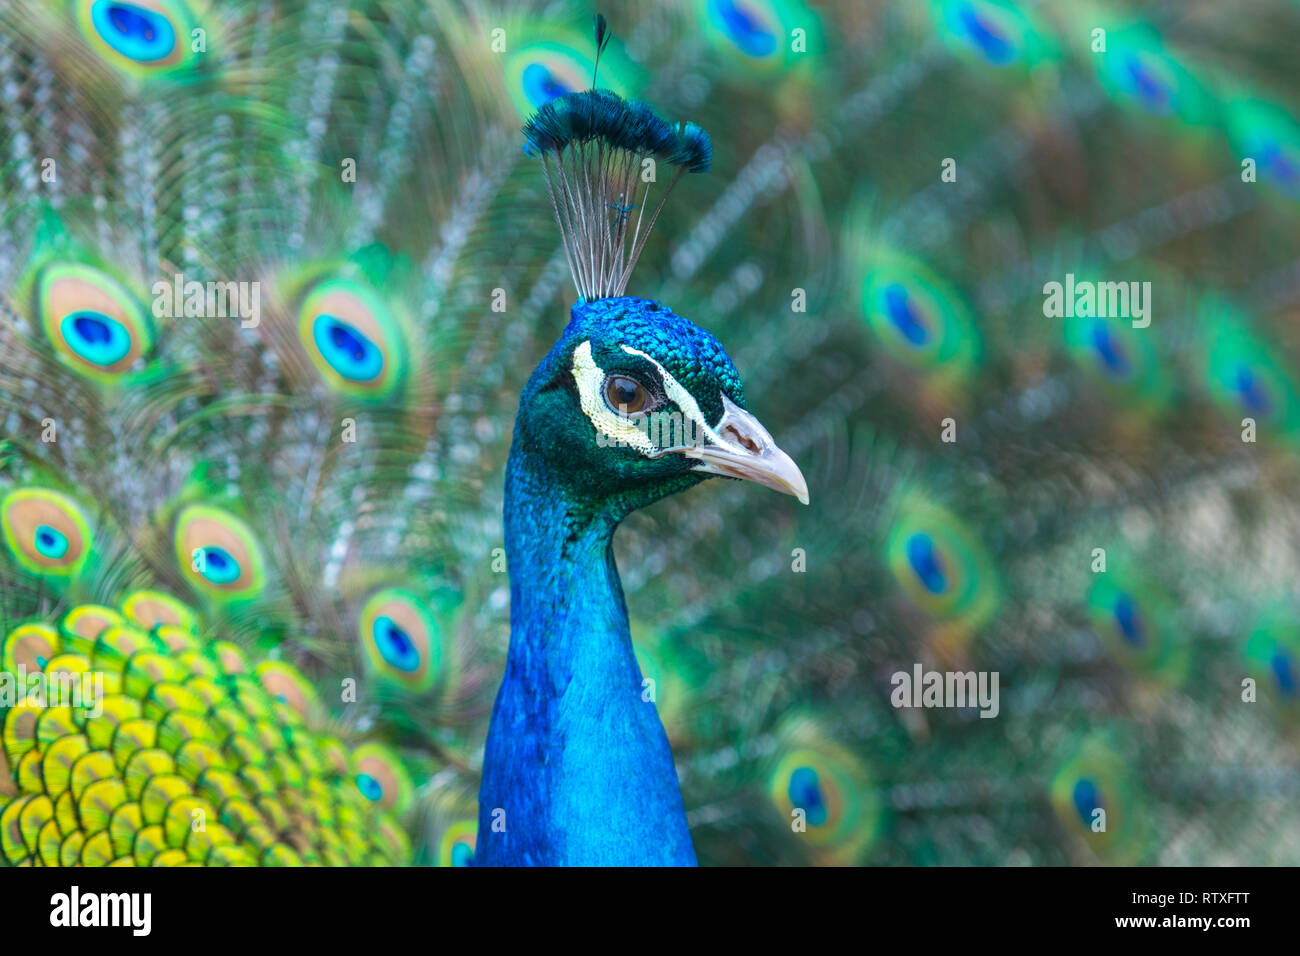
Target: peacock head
[(635, 403)]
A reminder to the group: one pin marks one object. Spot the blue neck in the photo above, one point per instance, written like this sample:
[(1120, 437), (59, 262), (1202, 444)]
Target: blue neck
[(575, 757)]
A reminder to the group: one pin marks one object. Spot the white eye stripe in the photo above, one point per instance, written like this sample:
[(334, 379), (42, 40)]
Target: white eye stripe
[(683, 399)]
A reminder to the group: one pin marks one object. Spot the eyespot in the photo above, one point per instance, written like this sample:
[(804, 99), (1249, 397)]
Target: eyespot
[(1269, 135), (1092, 786), (751, 26), (401, 639), (829, 789), (1273, 651), (986, 33), (458, 843), (1138, 70), (756, 34), (136, 32), (1102, 347), (548, 63), (1148, 80), (370, 788), (1086, 799), (353, 339), (808, 783), (1119, 616), (395, 646), (1122, 361), (1109, 352), (926, 563), (806, 791), (542, 85), (626, 395), (1284, 672), (221, 566), (142, 37), (540, 72), (94, 324), (906, 315), (941, 566), (1137, 624), (1247, 377), (1281, 162), (991, 30), (350, 352), (218, 553), (918, 319), (1129, 620), (1250, 390), (46, 531), (381, 778)]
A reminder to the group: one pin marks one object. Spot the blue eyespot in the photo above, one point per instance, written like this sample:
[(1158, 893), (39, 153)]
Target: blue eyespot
[(986, 36), (462, 854), (347, 351), (369, 787), (540, 85), (806, 793), (395, 646), (744, 28), (51, 542), (1148, 86), (1108, 349), (905, 318), (1086, 799), (1284, 671), (924, 559), (95, 337), (1129, 620), (1253, 395), (218, 566), (1282, 168), (145, 36)]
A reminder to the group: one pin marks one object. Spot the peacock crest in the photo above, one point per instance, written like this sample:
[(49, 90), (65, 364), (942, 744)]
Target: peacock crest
[(601, 156)]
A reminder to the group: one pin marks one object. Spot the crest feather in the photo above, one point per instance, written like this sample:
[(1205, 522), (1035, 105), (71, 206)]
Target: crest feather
[(594, 146)]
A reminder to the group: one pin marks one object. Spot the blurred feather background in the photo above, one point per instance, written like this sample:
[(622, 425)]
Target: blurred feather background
[(894, 183)]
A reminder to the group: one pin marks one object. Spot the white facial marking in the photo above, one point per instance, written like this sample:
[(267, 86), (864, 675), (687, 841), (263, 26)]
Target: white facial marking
[(624, 430), (590, 377), (685, 401)]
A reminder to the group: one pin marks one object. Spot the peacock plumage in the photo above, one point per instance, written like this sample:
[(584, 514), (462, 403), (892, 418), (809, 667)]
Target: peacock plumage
[(310, 465)]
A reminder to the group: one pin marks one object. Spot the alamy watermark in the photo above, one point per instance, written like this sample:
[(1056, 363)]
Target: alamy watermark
[(1105, 300), (922, 688), (663, 430), (208, 300), (79, 691), (133, 911)]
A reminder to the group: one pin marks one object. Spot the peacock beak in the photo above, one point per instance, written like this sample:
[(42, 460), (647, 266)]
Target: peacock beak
[(748, 452)]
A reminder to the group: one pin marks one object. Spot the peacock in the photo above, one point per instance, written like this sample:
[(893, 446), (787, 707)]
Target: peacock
[(339, 337), (576, 757)]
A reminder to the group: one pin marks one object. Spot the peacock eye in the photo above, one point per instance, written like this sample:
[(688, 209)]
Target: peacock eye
[(626, 395)]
